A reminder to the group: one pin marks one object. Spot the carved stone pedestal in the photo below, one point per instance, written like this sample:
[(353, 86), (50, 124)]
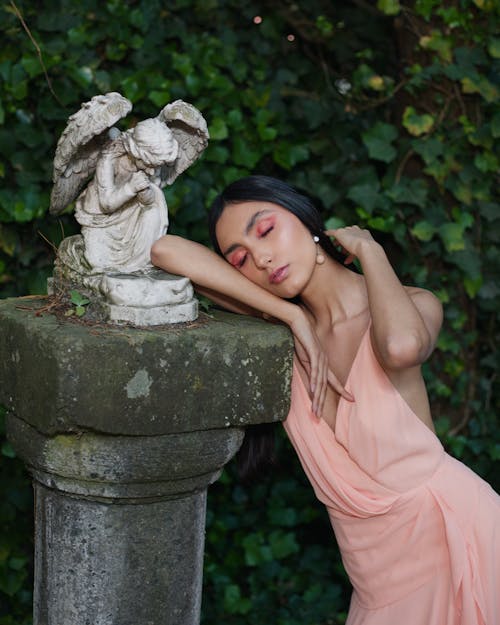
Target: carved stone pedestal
[(123, 429)]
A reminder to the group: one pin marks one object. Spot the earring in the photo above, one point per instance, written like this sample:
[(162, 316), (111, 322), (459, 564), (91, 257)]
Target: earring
[(320, 258)]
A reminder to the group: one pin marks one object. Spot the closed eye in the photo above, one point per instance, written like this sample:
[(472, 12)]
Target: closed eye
[(264, 227), (238, 259)]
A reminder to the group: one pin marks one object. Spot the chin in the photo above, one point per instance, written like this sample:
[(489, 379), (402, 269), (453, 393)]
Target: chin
[(289, 291)]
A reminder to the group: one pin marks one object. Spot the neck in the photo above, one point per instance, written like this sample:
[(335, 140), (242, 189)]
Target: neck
[(334, 293)]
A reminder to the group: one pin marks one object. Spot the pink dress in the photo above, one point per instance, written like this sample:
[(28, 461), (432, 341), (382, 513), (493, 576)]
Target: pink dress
[(418, 531)]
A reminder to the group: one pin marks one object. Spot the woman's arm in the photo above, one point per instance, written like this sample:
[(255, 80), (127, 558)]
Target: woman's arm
[(405, 322), (211, 274), (214, 275)]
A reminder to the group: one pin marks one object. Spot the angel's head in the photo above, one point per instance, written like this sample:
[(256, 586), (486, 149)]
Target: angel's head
[(152, 143)]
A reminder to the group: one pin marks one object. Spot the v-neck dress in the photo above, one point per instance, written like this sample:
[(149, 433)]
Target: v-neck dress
[(419, 532)]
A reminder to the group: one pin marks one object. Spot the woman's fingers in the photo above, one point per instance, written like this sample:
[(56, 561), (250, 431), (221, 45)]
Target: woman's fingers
[(313, 362), (337, 386), (322, 392), (319, 387)]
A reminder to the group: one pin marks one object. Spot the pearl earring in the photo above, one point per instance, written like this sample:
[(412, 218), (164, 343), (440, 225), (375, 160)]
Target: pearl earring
[(320, 258)]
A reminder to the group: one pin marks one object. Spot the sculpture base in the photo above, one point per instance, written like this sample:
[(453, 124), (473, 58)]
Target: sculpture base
[(154, 316), (146, 298)]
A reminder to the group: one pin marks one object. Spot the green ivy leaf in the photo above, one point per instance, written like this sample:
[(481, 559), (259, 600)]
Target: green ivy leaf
[(218, 130), (78, 299), (429, 148), (439, 43), (332, 223), (486, 162), (244, 154), (234, 603), (452, 236), (472, 287), (417, 124), (283, 544), (389, 7), (494, 47), (378, 141), (494, 451), (160, 98), (366, 195), (481, 85), (287, 156), (408, 191), (423, 230), (495, 125), (17, 563)]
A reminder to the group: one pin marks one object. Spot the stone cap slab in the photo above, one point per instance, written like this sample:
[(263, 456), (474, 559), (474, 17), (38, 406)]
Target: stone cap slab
[(219, 371)]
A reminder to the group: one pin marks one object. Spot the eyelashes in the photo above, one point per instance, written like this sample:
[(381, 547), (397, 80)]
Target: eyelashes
[(237, 260)]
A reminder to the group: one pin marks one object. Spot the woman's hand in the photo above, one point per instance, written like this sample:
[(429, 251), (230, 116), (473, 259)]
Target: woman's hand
[(351, 240), (315, 362)]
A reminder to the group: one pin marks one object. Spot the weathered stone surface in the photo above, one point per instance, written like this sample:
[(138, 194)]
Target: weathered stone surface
[(105, 564), (116, 180), (123, 429), (68, 377), (125, 467), (147, 299)]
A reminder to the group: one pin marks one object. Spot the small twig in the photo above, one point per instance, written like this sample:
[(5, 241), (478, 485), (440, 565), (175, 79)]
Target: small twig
[(286, 91), (458, 96), (402, 165), (54, 247), (442, 115), (61, 225), (374, 103), (37, 48)]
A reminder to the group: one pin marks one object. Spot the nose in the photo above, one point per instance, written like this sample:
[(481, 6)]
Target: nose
[(263, 260)]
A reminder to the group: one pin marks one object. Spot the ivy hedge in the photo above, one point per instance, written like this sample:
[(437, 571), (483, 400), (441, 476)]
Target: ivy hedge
[(386, 113)]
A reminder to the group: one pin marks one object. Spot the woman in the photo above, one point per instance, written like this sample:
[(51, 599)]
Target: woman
[(417, 530)]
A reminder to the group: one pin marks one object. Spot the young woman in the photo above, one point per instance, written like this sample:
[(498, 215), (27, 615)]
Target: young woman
[(419, 532)]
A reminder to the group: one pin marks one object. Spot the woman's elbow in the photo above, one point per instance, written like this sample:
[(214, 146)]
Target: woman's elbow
[(159, 252), (405, 352)]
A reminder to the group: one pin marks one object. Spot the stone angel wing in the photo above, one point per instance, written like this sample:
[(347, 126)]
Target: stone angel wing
[(80, 145), (191, 133)]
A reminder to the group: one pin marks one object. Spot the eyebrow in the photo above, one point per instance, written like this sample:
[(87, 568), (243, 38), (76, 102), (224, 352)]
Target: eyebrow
[(248, 228)]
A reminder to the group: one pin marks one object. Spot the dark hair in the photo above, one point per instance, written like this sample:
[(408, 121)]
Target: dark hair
[(267, 189), (257, 450), (256, 454)]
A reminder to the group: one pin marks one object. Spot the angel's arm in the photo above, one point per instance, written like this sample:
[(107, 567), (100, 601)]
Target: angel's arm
[(112, 196)]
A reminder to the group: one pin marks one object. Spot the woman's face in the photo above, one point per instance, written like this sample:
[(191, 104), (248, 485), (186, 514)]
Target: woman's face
[(269, 245)]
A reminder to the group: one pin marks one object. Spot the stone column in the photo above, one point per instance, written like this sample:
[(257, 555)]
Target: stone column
[(123, 429)]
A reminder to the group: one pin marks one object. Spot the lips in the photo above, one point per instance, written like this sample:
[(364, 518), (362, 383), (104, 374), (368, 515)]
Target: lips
[(278, 275)]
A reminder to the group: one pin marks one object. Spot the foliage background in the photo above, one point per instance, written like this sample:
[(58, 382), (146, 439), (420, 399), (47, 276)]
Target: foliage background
[(385, 112)]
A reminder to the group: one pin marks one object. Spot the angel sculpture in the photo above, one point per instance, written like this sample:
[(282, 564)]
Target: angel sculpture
[(116, 180)]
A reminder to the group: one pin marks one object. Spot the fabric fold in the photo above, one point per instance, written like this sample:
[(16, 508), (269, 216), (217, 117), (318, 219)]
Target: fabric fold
[(419, 533)]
